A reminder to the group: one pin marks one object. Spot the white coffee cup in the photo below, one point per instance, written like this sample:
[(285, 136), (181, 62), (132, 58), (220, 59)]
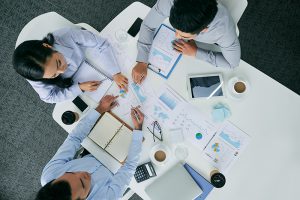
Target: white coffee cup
[(159, 154), (238, 87)]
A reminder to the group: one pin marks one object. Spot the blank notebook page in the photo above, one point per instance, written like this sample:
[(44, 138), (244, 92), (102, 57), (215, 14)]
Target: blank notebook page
[(104, 130), (119, 146)]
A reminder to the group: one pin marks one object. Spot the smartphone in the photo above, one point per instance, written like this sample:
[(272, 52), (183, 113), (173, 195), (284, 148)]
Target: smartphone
[(80, 104), (135, 28)]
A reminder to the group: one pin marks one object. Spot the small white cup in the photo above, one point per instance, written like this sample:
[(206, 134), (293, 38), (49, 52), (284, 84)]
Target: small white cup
[(238, 87), (159, 154)]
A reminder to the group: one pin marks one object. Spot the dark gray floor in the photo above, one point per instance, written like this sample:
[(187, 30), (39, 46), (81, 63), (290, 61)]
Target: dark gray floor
[(269, 36)]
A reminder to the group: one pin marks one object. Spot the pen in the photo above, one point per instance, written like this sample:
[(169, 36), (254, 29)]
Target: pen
[(135, 114)]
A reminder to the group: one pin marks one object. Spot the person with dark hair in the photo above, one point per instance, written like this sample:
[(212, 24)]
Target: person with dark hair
[(68, 178), (195, 22), (49, 64)]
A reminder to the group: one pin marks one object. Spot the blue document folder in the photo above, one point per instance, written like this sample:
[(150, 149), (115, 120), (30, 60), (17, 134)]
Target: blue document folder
[(205, 186)]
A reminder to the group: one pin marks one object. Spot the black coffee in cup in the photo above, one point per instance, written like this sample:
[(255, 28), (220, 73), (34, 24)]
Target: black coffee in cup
[(69, 117), (217, 179)]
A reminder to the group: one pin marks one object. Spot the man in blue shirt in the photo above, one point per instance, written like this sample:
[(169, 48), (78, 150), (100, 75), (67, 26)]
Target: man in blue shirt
[(86, 178)]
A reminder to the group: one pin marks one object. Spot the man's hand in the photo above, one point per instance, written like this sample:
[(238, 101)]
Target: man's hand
[(107, 103), (89, 85), (139, 72), (186, 48), (137, 118), (121, 81)]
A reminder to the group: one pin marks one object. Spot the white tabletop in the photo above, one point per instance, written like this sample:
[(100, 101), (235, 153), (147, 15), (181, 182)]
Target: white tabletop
[(267, 169)]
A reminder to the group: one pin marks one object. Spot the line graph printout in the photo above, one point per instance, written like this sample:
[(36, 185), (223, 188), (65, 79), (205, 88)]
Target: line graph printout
[(197, 128), (162, 56), (226, 146)]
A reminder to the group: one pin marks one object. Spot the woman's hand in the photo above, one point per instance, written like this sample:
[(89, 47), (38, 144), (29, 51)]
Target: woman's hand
[(121, 81), (89, 85)]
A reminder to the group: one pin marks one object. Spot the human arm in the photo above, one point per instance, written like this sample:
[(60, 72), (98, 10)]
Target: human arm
[(229, 57), (122, 178), (72, 143), (54, 94), (101, 53), (158, 13)]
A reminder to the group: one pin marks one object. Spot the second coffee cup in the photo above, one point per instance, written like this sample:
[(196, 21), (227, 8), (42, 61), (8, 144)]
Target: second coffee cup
[(159, 154)]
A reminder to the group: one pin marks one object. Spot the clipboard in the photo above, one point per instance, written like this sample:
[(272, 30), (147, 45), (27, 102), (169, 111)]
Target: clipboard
[(174, 59)]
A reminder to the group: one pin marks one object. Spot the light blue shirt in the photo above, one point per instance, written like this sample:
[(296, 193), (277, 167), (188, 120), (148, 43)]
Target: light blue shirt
[(104, 184), (72, 42), (221, 31)]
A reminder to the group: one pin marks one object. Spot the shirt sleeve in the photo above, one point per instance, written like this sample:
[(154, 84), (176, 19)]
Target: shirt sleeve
[(68, 149), (228, 41), (229, 57), (122, 178), (158, 13), (102, 53), (54, 94)]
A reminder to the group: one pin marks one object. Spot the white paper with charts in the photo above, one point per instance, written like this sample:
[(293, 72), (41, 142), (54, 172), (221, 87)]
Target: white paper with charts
[(163, 57), (197, 128), (136, 96), (226, 146), (221, 144)]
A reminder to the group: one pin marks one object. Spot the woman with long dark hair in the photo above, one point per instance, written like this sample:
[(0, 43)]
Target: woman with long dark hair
[(49, 64)]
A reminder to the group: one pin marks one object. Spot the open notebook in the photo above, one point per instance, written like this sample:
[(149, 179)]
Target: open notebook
[(87, 72), (112, 135)]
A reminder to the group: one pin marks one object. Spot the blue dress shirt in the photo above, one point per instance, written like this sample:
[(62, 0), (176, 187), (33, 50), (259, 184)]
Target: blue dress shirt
[(104, 184), (71, 43)]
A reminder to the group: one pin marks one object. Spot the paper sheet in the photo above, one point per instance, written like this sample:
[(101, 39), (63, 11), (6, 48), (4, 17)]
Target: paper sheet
[(226, 146), (197, 128), (162, 55)]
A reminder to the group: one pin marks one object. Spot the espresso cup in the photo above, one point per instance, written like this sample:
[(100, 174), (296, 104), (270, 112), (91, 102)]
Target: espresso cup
[(238, 87), (159, 154)]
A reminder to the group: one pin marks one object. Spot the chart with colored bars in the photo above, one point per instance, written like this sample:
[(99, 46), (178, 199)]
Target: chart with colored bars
[(138, 92), (226, 146)]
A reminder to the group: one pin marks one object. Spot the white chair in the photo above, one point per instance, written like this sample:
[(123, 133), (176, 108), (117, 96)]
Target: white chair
[(43, 24), (236, 8)]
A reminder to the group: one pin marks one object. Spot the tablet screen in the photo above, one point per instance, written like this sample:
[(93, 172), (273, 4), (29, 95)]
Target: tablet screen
[(206, 86)]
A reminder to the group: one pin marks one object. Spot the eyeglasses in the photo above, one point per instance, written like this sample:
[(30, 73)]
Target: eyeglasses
[(156, 131)]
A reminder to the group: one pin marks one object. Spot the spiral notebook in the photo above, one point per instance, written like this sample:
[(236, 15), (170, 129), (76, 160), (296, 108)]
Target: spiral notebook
[(113, 135), (87, 72)]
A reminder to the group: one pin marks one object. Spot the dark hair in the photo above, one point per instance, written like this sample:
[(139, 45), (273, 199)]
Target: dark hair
[(192, 16), (29, 57), (60, 190)]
